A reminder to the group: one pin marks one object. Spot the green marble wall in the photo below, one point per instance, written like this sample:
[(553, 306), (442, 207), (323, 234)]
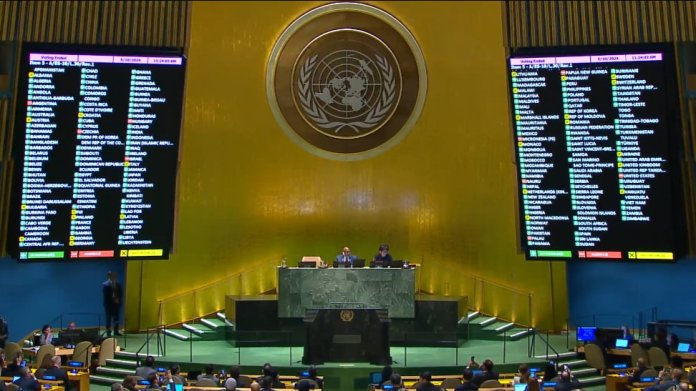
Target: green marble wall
[(300, 289)]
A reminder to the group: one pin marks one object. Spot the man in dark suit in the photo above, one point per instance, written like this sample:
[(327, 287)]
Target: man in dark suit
[(566, 382), (487, 374), (27, 381), (113, 295), (4, 332), (467, 385), (59, 373), (425, 384)]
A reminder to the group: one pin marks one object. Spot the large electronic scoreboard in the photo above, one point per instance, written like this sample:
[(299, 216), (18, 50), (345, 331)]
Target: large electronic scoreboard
[(96, 147), (597, 138)]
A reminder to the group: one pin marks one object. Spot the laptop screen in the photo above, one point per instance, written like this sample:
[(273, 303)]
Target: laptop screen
[(621, 343), (683, 347)]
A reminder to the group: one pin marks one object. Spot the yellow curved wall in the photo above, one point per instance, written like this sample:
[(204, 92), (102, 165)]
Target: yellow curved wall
[(444, 197)]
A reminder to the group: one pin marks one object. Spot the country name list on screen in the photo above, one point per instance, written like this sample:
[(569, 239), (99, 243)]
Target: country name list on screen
[(97, 136), (595, 158)]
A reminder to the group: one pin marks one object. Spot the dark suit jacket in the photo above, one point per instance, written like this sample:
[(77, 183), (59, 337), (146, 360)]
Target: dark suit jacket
[(480, 378), (467, 386), (427, 386), (110, 292), (572, 384), (60, 374), (28, 384)]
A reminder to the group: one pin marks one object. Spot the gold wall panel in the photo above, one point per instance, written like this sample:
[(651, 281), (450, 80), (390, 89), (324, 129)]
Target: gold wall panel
[(137, 23), (444, 197), (560, 23)]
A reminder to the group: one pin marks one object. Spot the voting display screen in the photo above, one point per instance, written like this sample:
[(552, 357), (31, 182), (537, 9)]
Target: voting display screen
[(95, 152), (596, 136)]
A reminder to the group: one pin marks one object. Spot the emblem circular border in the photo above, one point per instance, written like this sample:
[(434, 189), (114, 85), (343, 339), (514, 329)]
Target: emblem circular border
[(281, 61)]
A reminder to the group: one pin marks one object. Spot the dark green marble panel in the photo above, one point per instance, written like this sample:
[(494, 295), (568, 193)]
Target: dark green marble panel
[(300, 289)]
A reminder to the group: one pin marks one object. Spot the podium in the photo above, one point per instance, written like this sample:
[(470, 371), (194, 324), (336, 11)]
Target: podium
[(346, 335)]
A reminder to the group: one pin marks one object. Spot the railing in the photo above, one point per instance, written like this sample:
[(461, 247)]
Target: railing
[(638, 322), (484, 295), (210, 298), (152, 331)]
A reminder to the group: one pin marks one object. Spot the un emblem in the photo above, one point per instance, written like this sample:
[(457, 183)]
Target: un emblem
[(346, 81), (347, 315)]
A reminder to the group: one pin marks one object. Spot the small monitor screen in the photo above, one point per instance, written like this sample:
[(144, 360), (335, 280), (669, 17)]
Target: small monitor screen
[(388, 387), (586, 334), (375, 377), (549, 384), (49, 377), (520, 387), (683, 347), (476, 372), (76, 364), (305, 374), (620, 366), (621, 343), (647, 379)]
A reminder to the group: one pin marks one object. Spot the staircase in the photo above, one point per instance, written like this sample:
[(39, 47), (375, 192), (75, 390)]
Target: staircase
[(493, 329), (116, 369), (124, 363), (207, 329), (586, 375)]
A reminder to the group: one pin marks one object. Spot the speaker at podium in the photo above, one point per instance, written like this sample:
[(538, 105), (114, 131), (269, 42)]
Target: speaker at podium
[(346, 335)]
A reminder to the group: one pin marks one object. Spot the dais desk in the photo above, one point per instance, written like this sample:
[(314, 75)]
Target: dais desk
[(300, 289)]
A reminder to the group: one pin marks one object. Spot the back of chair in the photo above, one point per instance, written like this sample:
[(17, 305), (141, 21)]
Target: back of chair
[(206, 383), (492, 383), (595, 356), (658, 357), (83, 353), (637, 352), (43, 351), (11, 350), (107, 350), (649, 373), (12, 387), (450, 383)]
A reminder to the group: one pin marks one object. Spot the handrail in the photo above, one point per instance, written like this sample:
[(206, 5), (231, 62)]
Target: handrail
[(146, 344), (199, 304), (531, 348), (215, 282), (500, 285)]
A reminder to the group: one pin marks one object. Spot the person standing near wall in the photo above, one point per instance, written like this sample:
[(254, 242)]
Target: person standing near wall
[(113, 295), (4, 332)]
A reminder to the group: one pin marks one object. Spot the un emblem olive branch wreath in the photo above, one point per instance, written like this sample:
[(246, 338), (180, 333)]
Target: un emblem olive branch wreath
[(374, 116)]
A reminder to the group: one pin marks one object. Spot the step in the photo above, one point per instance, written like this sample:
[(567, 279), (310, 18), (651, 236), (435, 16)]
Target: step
[(584, 372), (553, 355), (197, 329), (483, 321), (181, 335), (590, 381), (121, 363), (104, 379), (222, 317), (498, 327), (573, 363), (518, 333), (214, 323), (115, 371), (134, 355), (472, 315)]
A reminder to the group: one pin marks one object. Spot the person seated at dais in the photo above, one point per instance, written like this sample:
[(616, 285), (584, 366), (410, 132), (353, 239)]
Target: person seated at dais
[(382, 258), (345, 258)]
